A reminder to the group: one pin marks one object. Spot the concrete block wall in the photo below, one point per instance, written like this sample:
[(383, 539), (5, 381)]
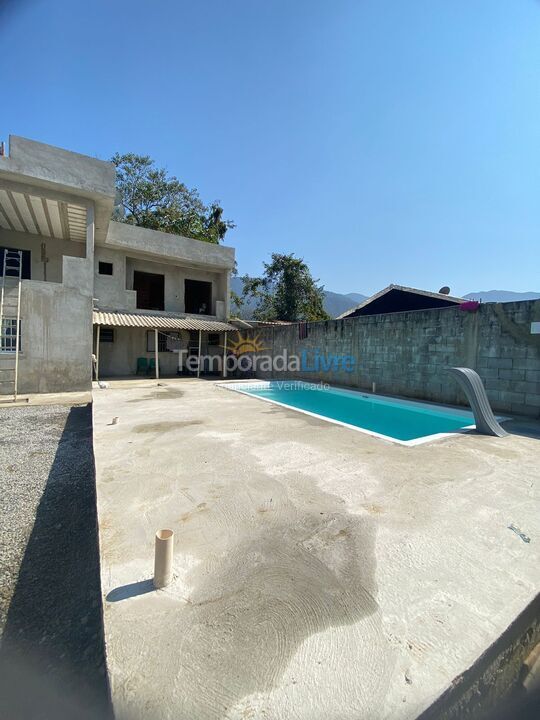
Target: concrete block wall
[(406, 353)]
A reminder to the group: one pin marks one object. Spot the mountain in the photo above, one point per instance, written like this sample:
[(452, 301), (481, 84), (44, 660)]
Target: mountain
[(246, 313), (337, 303), (356, 297), (334, 303), (502, 296)]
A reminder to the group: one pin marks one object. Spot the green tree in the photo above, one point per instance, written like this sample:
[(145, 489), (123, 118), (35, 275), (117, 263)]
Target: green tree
[(237, 303), (286, 291), (149, 197)]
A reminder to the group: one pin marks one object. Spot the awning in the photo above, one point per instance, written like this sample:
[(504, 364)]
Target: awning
[(113, 318)]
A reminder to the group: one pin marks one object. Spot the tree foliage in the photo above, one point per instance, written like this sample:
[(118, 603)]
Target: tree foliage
[(286, 291), (149, 197), (237, 303)]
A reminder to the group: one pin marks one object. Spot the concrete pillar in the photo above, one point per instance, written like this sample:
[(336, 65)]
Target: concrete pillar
[(97, 351), (199, 358), (227, 295), (156, 353), (90, 235)]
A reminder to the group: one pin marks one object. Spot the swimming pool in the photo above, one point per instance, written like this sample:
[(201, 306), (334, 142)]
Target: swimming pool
[(402, 421)]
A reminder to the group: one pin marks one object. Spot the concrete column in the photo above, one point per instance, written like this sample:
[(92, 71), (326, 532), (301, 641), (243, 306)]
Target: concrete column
[(97, 351), (88, 270), (224, 372), (78, 273), (90, 234), (199, 363), (227, 295), (156, 354), (199, 358)]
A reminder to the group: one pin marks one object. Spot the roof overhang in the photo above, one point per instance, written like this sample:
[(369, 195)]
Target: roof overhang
[(163, 321), (401, 288), (31, 211), (46, 191)]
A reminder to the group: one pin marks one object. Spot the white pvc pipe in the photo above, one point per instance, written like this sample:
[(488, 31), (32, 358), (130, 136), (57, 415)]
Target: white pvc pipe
[(163, 558)]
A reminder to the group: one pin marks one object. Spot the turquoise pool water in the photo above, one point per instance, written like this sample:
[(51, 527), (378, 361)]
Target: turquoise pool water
[(385, 416)]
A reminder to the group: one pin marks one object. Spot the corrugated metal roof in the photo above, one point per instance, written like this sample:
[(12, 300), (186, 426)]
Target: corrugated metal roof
[(270, 323), (114, 318)]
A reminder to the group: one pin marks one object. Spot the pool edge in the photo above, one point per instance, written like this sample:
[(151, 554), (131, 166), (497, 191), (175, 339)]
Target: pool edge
[(236, 386)]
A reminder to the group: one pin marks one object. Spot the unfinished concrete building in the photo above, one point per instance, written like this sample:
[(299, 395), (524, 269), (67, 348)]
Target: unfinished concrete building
[(77, 284)]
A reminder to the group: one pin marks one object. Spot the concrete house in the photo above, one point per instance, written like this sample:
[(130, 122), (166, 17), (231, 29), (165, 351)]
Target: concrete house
[(93, 286)]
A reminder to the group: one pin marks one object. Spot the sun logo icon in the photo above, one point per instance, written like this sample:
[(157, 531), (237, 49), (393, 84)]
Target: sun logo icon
[(243, 345)]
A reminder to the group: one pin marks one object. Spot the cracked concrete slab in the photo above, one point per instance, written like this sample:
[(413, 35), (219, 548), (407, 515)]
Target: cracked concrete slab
[(319, 572)]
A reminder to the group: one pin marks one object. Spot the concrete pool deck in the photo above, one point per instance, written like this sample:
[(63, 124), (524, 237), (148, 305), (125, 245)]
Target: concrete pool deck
[(319, 572)]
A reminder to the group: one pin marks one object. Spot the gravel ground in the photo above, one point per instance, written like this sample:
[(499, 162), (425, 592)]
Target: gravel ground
[(28, 443), (52, 661)]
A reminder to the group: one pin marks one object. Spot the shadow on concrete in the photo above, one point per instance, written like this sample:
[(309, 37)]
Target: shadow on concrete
[(132, 590), (301, 566), (52, 657), (526, 427), (491, 688)]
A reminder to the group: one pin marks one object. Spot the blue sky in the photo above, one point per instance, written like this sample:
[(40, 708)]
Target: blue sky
[(383, 141)]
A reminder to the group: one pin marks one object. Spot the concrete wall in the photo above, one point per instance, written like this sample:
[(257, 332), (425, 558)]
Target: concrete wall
[(55, 250), (48, 163), (119, 358), (174, 281), (111, 291), (56, 339), (116, 291), (54, 170), (133, 239), (56, 316), (174, 256), (56, 330), (406, 353)]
